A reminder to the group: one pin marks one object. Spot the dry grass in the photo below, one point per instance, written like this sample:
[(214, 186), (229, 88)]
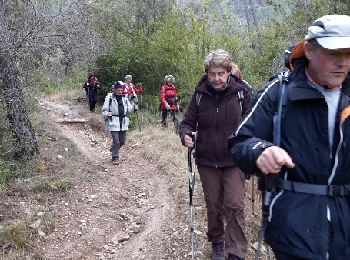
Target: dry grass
[(165, 145), (40, 181)]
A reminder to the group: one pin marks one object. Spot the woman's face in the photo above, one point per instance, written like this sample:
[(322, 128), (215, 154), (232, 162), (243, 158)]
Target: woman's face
[(118, 91), (217, 77)]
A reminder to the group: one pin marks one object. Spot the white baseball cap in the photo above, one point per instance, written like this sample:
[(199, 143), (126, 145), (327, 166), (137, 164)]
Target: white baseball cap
[(331, 31)]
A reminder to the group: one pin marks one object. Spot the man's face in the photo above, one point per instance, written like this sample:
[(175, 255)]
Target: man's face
[(328, 67), (217, 77), (128, 81)]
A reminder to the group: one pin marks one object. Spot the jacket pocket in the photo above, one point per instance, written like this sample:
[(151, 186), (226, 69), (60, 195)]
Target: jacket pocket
[(295, 221), (112, 122)]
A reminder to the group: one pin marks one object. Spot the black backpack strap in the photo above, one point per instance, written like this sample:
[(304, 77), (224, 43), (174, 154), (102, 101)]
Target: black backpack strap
[(277, 119), (315, 189), (109, 106), (110, 103), (271, 180)]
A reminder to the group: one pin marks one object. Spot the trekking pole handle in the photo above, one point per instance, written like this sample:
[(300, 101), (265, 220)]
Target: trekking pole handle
[(190, 139)]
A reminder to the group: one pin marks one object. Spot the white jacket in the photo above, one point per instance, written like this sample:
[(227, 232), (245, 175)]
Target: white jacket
[(111, 105)]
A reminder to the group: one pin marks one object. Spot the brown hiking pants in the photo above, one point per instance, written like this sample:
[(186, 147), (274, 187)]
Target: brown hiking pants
[(224, 192)]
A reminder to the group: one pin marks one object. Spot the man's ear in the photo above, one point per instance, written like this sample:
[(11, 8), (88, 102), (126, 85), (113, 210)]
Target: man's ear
[(307, 50)]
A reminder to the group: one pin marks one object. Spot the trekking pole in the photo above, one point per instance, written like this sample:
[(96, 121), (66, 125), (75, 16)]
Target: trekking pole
[(176, 122), (134, 98), (138, 120), (191, 184), (253, 197), (87, 98)]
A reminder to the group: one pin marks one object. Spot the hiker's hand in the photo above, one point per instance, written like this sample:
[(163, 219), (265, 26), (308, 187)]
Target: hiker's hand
[(133, 98), (136, 107), (109, 114), (167, 107), (189, 140), (273, 159)]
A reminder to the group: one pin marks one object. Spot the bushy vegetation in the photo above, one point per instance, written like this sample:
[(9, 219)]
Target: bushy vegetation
[(178, 41)]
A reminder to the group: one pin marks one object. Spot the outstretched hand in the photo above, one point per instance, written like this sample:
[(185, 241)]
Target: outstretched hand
[(273, 159)]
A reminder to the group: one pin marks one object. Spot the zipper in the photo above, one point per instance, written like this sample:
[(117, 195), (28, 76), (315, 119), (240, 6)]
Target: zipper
[(336, 157), (217, 103), (216, 127), (330, 179)]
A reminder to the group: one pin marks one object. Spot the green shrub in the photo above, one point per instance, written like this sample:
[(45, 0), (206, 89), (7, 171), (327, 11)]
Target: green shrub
[(13, 235)]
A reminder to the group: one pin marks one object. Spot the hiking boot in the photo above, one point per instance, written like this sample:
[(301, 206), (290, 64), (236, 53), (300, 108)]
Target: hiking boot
[(217, 251), (115, 162), (234, 257)]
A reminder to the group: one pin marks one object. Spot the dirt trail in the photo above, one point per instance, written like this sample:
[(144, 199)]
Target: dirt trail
[(136, 210), (132, 211)]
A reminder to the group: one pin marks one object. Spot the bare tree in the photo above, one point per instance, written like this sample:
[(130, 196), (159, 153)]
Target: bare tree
[(12, 91), (31, 34)]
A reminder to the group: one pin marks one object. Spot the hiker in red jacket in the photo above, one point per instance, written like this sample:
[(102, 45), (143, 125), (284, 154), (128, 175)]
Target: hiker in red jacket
[(131, 91), (168, 97)]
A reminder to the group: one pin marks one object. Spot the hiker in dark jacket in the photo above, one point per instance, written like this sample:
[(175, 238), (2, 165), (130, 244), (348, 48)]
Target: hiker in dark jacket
[(213, 112), (92, 87), (310, 210)]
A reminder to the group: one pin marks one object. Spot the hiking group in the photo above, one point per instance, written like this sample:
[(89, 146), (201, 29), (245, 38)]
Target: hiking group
[(294, 134)]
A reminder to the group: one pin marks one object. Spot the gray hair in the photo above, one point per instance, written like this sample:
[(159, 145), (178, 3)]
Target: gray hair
[(128, 77), (218, 58)]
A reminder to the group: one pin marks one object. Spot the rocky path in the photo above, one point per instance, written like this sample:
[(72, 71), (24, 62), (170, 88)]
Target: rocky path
[(136, 210)]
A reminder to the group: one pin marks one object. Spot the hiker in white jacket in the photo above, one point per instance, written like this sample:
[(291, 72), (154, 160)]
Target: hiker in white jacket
[(115, 112)]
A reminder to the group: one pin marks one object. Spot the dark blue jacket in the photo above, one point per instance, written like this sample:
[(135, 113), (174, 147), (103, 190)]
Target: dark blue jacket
[(298, 222)]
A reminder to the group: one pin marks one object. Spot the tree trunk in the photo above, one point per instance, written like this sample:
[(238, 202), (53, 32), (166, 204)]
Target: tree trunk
[(12, 94), (16, 109)]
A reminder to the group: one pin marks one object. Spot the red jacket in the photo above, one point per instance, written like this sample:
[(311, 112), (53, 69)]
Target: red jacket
[(131, 89), (168, 95)]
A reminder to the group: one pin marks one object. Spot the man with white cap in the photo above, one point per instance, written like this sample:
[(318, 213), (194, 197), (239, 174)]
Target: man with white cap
[(309, 213)]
